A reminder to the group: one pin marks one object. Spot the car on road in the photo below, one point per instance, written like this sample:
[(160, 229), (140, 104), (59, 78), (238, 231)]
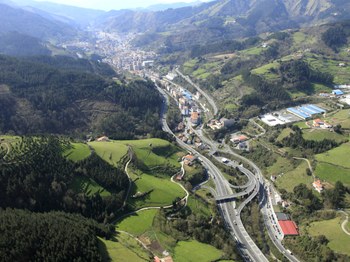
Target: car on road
[(225, 160)]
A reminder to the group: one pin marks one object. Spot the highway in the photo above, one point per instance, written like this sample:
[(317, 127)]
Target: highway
[(254, 187), (231, 215)]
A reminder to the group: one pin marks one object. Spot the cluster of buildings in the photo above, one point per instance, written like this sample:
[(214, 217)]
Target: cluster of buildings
[(186, 103), (306, 111), (292, 114), (115, 50), (318, 123), (240, 141), (216, 124)]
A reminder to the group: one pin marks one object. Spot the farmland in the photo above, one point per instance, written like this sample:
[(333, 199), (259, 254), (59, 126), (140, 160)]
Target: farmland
[(333, 165), (295, 177), (161, 191), (338, 156), (111, 152), (319, 135), (123, 248), (139, 223), (78, 152), (193, 251), (338, 240)]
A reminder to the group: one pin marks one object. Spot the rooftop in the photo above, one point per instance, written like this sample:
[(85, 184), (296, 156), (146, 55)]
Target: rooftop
[(289, 228)]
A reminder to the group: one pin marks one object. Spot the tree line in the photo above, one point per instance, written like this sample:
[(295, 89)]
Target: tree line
[(296, 140)]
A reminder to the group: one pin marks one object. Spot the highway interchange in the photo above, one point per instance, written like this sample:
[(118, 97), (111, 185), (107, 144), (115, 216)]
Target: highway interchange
[(223, 189)]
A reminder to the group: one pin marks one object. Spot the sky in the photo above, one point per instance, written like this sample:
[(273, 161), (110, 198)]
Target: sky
[(114, 4)]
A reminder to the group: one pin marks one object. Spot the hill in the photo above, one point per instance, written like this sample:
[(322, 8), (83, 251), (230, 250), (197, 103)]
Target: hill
[(16, 44), (223, 19), (66, 96), (75, 16), (32, 24)]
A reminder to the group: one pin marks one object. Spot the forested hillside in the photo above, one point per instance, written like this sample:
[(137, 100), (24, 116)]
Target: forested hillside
[(27, 236), (67, 96), (36, 176)]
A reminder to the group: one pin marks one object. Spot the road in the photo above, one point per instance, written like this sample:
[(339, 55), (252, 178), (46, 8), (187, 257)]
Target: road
[(231, 215), (258, 180), (209, 99)]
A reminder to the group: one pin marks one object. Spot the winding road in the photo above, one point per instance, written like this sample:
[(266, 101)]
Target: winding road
[(224, 195)]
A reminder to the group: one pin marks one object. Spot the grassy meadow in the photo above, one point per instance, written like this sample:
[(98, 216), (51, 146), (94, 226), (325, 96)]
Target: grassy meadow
[(139, 223), (78, 152), (338, 240), (123, 248), (194, 251)]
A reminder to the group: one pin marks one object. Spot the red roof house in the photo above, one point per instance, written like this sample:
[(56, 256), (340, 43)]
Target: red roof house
[(289, 228)]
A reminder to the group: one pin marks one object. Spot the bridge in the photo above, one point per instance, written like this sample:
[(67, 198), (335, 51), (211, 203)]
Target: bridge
[(232, 197)]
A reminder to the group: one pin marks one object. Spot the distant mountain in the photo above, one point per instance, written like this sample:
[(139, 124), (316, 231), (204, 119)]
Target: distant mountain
[(16, 44), (66, 13), (225, 19), (15, 19), (161, 7)]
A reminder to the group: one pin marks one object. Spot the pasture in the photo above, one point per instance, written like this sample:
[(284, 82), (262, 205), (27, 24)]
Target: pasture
[(194, 251), (338, 240), (162, 191), (78, 152), (139, 223), (112, 152), (123, 248)]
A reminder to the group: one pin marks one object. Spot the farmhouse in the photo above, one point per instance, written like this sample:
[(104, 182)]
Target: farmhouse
[(102, 139), (189, 159), (238, 139), (317, 185)]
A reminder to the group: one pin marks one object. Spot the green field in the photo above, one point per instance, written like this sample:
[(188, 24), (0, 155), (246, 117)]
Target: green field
[(123, 249), (321, 134), (282, 165), (155, 152), (334, 165), (78, 152), (88, 186), (295, 177), (252, 51), (265, 71), (302, 125), (327, 65), (338, 156), (338, 240), (285, 133), (332, 174), (194, 251), (139, 223), (342, 117), (112, 152), (163, 191)]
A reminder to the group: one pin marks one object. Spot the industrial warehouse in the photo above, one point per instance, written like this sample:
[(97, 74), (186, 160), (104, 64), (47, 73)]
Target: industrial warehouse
[(292, 114)]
